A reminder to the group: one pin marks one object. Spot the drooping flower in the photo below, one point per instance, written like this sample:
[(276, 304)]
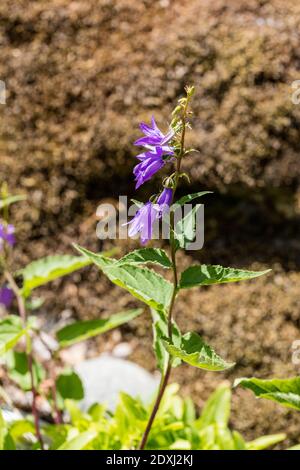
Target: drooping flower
[(6, 296), (153, 136), (165, 199), (145, 217), (143, 222), (151, 162), (7, 234), (156, 154)]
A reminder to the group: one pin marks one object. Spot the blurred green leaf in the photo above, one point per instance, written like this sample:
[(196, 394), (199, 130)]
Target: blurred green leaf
[(265, 441), (79, 442), (17, 365), (6, 441), (11, 330), (11, 200), (48, 269), (69, 386), (83, 330), (217, 408)]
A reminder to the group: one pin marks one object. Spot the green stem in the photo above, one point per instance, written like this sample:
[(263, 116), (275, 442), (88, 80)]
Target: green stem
[(166, 375), (22, 312)]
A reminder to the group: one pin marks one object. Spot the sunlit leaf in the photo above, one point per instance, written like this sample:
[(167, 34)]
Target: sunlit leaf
[(204, 275), (143, 283), (194, 351), (48, 269), (11, 330), (283, 391), (83, 330), (146, 255)]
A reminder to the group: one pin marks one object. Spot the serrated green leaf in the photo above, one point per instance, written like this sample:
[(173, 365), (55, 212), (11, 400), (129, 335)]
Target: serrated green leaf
[(146, 255), (160, 331), (17, 365), (142, 283), (83, 330), (283, 391), (190, 197), (204, 275), (69, 386), (11, 330), (11, 200), (48, 269), (194, 351)]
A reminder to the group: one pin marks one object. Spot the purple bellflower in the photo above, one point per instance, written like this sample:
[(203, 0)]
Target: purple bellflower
[(155, 156), (146, 216), (6, 296), (151, 162), (7, 234), (153, 136)]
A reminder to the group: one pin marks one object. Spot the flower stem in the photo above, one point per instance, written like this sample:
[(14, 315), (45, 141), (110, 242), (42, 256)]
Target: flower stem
[(22, 312), (166, 375)]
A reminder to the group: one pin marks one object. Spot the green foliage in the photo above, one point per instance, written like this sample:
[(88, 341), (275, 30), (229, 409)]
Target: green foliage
[(204, 275), (83, 330), (7, 201), (6, 441), (146, 255), (17, 365), (283, 391), (175, 427), (143, 283), (194, 351), (185, 228), (190, 197), (160, 331), (69, 386), (48, 269), (11, 330)]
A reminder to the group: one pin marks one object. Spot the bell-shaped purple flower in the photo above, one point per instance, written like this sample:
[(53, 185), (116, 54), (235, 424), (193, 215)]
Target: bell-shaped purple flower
[(164, 200), (7, 234), (151, 162), (157, 151), (143, 222), (153, 135), (145, 217), (6, 296)]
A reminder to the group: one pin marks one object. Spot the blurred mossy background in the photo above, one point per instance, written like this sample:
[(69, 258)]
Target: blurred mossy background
[(80, 76)]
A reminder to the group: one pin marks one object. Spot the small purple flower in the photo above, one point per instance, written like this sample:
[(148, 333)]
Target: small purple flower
[(143, 222), (155, 156), (153, 135), (6, 296), (7, 234), (151, 162), (165, 200), (146, 216)]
